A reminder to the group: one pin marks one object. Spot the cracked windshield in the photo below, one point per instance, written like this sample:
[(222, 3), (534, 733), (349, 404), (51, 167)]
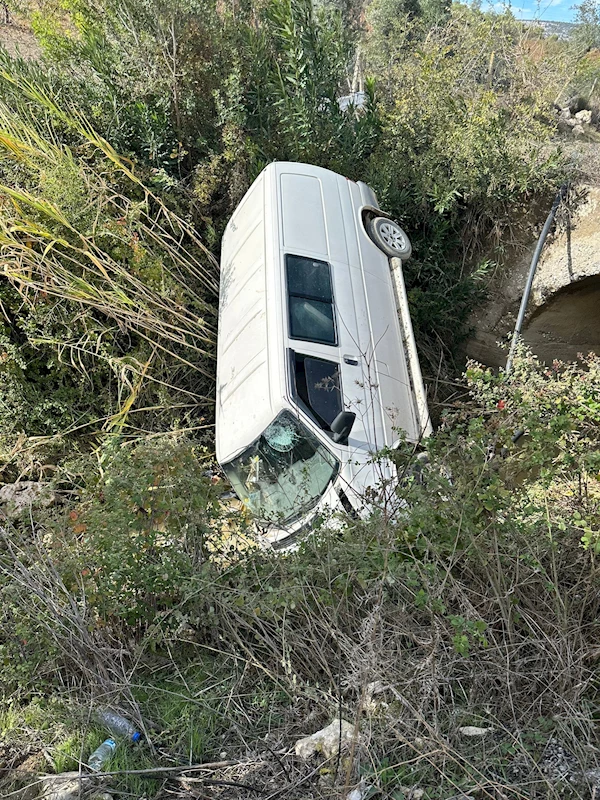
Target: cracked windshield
[(284, 472)]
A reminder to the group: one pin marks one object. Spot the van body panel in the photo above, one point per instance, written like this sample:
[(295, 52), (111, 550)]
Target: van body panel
[(302, 211), (368, 196), (391, 372), (336, 230), (243, 365), (307, 212)]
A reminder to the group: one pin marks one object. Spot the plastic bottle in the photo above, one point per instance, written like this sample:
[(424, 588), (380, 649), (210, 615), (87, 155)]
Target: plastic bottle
[(101, 755), (118, 725)]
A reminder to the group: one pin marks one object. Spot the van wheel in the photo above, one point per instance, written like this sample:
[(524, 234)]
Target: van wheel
[(389, 237)]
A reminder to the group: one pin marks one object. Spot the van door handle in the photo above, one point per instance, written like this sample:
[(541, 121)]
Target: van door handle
[(352, 360)]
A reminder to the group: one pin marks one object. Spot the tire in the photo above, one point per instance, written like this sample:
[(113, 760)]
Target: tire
[(389, 237)]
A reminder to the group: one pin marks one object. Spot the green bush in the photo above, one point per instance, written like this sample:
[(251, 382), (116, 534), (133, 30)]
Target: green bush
[(98, 264), (143, 73), (143, 529), (466, 116)]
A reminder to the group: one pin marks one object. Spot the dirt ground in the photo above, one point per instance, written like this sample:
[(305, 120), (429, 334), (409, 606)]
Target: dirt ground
[(18, 39)]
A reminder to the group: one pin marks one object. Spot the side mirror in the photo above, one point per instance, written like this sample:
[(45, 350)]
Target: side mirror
[(341, 426)]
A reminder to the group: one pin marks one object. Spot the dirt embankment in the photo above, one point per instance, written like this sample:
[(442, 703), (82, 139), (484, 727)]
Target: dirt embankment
[(16, 37)]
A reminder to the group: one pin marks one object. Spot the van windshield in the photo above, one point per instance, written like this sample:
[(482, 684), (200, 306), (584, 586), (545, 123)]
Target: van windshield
[(284, 472)]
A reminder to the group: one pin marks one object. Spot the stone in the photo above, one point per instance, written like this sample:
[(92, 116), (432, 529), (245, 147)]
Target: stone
[(472, 730), (557, 763), (66, 786), (584, 117), (72, 786), (370, 704), (360, 792), (326, 741), (412, 792), (17, 497), (578, 130)]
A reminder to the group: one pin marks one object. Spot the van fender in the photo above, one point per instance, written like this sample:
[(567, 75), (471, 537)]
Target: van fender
[(376, 212), (368, 196), (367, 213)]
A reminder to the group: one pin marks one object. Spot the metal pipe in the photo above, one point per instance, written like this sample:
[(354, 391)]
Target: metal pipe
[(531, 276)]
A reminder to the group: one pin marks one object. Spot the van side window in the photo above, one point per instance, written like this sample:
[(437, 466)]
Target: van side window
[(317, 384), (310, 299)]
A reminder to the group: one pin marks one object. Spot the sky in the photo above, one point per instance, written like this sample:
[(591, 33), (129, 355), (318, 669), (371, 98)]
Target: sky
[(558, 10)]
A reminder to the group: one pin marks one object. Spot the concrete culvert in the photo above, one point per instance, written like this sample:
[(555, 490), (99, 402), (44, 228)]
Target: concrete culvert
[(563, 315), (568, 323)]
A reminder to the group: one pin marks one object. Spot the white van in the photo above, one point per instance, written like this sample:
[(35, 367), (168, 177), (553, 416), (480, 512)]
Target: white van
[(316, 365)]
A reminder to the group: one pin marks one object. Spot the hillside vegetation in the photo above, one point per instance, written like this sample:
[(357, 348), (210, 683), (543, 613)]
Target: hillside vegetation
[(125, 145)]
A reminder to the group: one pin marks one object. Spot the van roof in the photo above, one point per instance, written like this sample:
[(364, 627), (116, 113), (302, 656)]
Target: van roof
[(244, 406)]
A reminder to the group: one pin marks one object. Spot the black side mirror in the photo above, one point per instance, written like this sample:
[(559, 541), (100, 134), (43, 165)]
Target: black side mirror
[(341, 426)]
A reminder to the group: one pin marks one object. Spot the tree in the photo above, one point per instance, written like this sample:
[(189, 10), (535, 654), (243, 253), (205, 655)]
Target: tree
[(587, 20)]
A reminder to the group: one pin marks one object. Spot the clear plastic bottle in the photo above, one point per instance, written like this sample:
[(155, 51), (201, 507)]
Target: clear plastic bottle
[(118, 725), (101, 755)]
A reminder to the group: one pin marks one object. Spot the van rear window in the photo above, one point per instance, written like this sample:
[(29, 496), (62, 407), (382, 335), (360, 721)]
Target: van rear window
[(310, 299)]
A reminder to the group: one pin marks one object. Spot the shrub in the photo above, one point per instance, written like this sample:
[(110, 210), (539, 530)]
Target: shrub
[(466, 115), (143, 73), (142, 530), (416, 625)]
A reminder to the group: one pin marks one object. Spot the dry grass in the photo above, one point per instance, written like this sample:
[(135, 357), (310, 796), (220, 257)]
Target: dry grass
[(340, 629), (82, 228), (368, 647)]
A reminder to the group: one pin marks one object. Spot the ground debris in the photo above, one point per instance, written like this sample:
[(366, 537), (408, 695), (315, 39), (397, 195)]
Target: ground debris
[(72, 786), (559, 764), (472, 730), (17, 497), (326, 741)]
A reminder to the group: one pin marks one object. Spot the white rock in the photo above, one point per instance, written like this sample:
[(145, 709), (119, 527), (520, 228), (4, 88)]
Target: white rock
[(66, 786), (326, 741), (578, 130), (373, 689), (23, 494), (471, 730), (585, 117), (72, 786), (361, 791)]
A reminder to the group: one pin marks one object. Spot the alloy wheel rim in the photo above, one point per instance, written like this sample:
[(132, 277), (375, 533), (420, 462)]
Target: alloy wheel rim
[(392, 236)]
